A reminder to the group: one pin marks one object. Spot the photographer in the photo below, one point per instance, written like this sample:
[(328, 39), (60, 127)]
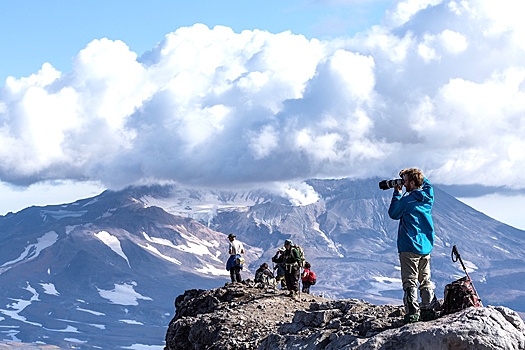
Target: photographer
[(415, 240)]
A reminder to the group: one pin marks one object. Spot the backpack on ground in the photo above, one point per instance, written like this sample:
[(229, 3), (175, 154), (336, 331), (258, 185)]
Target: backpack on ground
[(259, 277), (312, 278), (461, 293), (300, 252)]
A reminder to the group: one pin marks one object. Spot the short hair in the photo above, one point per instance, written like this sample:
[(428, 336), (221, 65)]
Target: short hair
[(307, 265), (413, 174)]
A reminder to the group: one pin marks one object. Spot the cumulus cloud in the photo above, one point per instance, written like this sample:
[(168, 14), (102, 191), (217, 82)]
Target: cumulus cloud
[(440, 85)]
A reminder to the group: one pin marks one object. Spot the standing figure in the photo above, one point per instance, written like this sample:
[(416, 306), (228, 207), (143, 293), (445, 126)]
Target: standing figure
[(291, 258), (415, 240), (308, 278), (279, 269), (236, 261)]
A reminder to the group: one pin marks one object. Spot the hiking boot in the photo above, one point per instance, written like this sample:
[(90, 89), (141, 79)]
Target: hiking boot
[(412, 318), (428, 315)]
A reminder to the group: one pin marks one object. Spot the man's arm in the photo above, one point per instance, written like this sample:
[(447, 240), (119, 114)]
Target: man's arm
[(278, 258), (396, 209), (428, 189)]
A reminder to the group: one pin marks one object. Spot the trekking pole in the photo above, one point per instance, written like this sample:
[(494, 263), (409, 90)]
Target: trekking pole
[(300, 281), (455, 257), (274, 283)]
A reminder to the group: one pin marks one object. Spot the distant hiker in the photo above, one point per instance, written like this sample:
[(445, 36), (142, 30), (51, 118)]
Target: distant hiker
[(415, 240), (279, 269), (291, 258), (236, 261), (264, 275), (308, 278)]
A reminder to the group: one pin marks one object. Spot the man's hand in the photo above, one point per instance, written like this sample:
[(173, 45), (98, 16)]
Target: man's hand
[(398, 188)]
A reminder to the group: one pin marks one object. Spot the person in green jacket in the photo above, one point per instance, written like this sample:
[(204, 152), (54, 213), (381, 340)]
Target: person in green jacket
[(290, 257), (415, 240)]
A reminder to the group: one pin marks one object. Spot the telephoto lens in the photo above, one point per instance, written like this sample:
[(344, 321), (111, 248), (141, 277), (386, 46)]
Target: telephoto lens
[(387, 184)]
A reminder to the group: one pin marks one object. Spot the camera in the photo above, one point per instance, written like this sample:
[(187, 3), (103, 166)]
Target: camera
[(386, 184)]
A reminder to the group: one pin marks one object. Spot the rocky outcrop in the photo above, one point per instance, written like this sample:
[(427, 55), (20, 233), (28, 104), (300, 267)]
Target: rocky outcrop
[(249, 316)]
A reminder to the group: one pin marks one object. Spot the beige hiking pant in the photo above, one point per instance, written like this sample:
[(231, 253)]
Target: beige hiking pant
[(415, 269)]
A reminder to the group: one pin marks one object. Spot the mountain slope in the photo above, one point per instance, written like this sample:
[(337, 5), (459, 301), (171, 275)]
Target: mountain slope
[(104, 271)]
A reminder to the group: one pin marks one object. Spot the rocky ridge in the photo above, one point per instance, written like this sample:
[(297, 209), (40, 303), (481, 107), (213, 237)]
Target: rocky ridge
[(249, 316)]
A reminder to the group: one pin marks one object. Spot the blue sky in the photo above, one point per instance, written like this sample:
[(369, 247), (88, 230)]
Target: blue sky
[(55, 31), (106, 94)]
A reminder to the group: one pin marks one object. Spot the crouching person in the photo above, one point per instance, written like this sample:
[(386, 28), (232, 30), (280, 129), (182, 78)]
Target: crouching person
[(264, 275)]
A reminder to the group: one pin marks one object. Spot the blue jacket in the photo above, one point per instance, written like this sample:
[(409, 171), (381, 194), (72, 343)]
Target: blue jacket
[(414, 212), (232, 262)]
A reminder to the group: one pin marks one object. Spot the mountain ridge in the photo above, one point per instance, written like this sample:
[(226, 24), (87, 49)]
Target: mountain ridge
[(93, 272)]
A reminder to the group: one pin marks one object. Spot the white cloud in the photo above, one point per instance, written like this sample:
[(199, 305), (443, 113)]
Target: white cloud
[(442, 81), (299, 193), (406, 9), (453, 42)]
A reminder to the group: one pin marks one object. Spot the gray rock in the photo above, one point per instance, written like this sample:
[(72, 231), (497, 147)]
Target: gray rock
[(259, 320)]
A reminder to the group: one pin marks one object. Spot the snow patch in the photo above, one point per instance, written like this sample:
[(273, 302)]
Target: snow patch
[(96, 313), (195, 248), (113, 243), (212, 270), (74, 340), (503, 250), (19, 305), (11, 335), (61, 214), (144, 347), (161, 241), (385, 283), (33, 250), (70, 228), (49, 288), (123, 294), (156, 251), (106, 215), (470, 266), (68, 329), (132, 322), (99, 326)]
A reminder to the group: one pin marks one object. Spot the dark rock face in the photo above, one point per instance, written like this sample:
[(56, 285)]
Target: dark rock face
[(249, 316)]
